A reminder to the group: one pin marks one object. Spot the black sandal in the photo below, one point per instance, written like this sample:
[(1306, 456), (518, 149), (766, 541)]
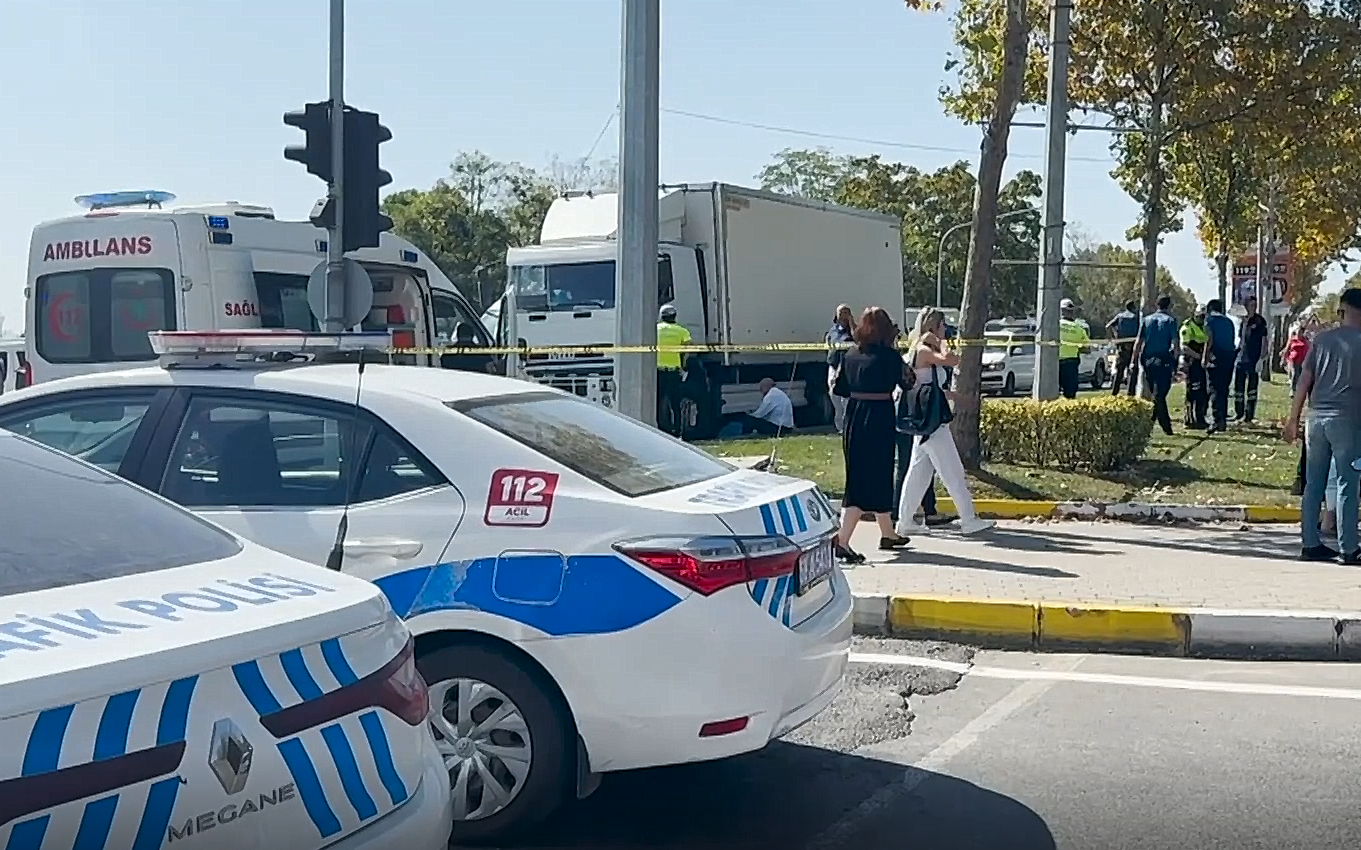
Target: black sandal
[(847, 554), (890, 544)]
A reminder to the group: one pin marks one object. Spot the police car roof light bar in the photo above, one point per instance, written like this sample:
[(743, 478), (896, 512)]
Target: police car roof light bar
[(194, 343)]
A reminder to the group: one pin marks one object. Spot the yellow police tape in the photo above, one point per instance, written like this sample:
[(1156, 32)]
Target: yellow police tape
[(704, 348)]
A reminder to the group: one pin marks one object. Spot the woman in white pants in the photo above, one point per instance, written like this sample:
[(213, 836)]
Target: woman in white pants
[(937, 453)]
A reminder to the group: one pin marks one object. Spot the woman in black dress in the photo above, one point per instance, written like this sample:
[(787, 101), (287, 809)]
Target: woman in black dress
[(870, 372)]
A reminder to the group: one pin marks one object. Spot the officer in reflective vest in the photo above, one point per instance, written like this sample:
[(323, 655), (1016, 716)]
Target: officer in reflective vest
[(669, 375), (1072, 338), (1193, 339)]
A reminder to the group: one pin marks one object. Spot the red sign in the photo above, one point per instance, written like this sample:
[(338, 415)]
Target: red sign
[(65, 317), (86, 249), (520, 497)]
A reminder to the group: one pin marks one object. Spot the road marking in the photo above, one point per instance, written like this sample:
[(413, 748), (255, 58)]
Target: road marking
[(1017, 698), (1054, 676)]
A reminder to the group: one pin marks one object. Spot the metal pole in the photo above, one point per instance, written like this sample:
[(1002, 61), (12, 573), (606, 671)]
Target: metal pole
[(636, 273), (335, 249), (1266, 260), (1046, 385)]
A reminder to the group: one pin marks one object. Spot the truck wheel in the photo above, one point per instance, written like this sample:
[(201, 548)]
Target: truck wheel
[(527, 752), (1009, 385)]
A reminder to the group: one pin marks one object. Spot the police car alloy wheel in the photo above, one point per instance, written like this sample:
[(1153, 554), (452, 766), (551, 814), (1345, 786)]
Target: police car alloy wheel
[(504, 738)]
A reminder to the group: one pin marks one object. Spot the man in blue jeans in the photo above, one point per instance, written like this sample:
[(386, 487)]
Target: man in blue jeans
[(1331, 384)]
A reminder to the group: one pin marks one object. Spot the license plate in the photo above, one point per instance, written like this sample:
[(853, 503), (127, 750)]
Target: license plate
[(815, 566)]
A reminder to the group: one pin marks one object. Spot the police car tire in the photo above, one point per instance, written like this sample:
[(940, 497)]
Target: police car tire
[(550, 731)]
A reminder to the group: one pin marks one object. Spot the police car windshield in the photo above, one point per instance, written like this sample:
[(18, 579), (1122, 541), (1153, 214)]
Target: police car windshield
[(596, 442), (66, 523)]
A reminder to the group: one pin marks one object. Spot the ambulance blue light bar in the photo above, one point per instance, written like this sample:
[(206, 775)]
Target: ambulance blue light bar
[(263, 342), (113, 200), (219, 222)]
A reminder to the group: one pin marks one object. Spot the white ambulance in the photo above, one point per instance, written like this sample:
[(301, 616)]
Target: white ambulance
[(98, 282)]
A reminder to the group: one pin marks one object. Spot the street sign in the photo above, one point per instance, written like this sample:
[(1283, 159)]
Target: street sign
[(1243, 279), (358, 294)]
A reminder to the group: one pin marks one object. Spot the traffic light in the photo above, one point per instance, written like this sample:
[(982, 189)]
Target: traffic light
[(363, 219), (315, 154)]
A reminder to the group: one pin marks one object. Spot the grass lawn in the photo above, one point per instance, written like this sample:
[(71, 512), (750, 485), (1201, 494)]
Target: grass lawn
[(1246, 465)]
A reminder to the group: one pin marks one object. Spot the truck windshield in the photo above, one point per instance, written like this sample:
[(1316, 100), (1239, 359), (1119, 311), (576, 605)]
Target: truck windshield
[(570, 286)]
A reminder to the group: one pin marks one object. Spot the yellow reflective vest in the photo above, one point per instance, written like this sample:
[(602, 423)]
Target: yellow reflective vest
[(670, 334), (1072, 336)]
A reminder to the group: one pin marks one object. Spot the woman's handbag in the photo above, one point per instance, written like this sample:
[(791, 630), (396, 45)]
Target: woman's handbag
[(924, 408)]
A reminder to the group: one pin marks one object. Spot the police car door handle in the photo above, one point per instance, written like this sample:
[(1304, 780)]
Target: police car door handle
[(391, 547)]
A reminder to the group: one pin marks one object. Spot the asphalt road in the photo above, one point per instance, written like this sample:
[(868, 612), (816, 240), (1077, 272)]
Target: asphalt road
[(1021, 752)]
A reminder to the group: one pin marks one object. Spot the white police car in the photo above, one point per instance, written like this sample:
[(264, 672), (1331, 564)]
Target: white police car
[(162, 682), (588, 594)]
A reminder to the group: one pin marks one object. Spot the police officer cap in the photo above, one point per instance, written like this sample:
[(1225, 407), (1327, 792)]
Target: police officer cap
[(1067, 304), (667, 312)]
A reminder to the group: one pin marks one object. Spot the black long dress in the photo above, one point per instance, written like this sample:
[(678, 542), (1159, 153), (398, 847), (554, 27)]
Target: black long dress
[(869, 437)]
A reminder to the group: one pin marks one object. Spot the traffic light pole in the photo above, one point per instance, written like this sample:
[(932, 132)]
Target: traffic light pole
[(335, 253)]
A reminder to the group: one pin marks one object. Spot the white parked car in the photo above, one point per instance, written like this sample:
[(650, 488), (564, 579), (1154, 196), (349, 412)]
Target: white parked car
[(163, 680), (1008, 363), (588, 594)]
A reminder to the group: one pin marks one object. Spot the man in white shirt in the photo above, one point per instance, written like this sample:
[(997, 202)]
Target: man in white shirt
[(774, 414)]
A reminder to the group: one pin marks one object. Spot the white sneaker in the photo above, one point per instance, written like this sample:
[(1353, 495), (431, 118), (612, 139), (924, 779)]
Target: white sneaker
[(975, 526), (909, 527)]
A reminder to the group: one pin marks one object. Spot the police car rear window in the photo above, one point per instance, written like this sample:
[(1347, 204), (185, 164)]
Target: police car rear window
[(67, 523), (602, 445)]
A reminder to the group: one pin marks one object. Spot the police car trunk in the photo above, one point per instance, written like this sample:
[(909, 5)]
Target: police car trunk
[(247, 697)]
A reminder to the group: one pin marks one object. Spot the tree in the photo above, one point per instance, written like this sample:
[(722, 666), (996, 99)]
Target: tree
[(1100, 293), (816, 174), (1007, 86), (1164, 70), (466, 221)]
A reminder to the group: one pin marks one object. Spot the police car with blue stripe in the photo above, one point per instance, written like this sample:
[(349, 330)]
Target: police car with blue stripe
[(164, 683), (588, 594)]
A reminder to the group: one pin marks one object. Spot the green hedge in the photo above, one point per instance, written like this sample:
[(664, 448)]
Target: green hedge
[(1101, 433)]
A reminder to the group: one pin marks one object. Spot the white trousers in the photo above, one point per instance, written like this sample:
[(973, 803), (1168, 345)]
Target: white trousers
[(935, 455), (838, 402)]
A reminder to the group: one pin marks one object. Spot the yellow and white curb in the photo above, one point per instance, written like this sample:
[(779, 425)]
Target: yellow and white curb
[(1128, 511), (1052, 626)]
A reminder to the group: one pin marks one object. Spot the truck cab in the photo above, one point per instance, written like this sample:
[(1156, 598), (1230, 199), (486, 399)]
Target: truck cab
[(98, 282)]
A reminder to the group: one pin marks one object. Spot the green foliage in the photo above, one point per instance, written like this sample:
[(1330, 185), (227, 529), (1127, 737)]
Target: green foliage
[(929, 204), (466, 221), (1100, 293), (1099, 434)]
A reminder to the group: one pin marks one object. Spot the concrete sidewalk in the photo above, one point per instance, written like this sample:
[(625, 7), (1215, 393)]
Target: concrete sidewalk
[(1232, 591)]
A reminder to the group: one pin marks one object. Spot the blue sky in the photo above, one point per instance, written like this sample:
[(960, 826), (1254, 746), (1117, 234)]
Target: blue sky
[(188, 97)]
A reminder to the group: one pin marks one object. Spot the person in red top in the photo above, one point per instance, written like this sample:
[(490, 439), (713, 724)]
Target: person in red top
[(1293, 355)]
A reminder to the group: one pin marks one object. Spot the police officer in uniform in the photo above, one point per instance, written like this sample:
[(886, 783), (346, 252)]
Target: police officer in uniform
[(1193, 352), (669, 376), (1123, 328), (1220, 350), (1156, 353), (1072, 337)]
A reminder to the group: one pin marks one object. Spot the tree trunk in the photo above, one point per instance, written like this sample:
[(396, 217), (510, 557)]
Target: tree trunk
[(1222, 269), (1153, 204), (983, 236)]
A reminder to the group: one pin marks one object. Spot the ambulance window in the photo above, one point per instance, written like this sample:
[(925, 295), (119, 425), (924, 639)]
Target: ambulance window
[(139, 304), (79, 524), (102, 315), (596, 442), (449, 313), (283, 301), (63, 318)]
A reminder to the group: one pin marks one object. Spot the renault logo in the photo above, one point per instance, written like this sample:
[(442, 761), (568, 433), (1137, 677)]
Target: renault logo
[(814, 509), (229, 756)]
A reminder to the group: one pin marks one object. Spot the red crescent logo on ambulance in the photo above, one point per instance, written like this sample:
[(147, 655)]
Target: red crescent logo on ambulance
[(62, 321)]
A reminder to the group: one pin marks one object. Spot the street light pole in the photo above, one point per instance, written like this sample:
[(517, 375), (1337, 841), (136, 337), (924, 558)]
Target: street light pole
[(940, 250)]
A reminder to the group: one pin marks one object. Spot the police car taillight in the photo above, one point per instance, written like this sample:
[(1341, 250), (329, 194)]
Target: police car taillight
[(707, 565), (396, 687), (404, 692)]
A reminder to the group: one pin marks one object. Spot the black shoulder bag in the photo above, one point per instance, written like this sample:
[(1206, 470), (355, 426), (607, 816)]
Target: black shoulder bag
[(924, 408)]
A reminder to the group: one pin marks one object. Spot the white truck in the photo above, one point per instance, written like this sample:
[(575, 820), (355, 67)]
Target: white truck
[(742, 267), (98, 282)]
